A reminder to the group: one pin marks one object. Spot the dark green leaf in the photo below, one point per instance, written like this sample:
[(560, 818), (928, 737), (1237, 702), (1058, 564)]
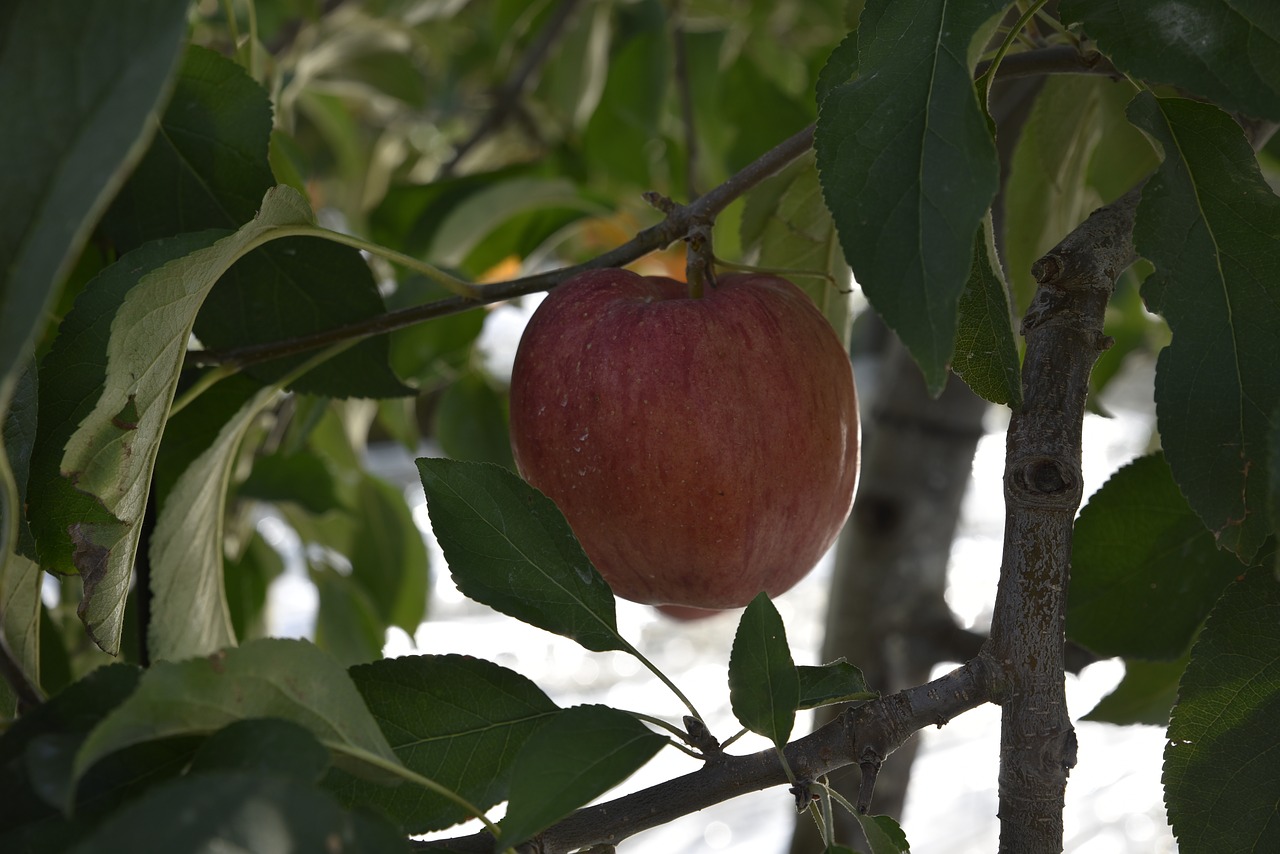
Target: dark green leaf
[(747, 93), (583, 752), (883, 834), (454, 719), (237, 811), (388, 555), (986, 356), (908, 167), (471, 422), (294, 287), (74, 127), (267, 678), (428, 355), (18, 439), (841, 66), (263, 746), (1144, 570), (1222, 760), (1211, 226), (1145, 695), (207, 167), (301, 477), (835, 682), (77, 709), (1223, 50), (509, 547), (764, 687)]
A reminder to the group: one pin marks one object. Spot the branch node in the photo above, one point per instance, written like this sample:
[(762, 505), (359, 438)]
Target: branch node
[(701, 738), (660, 202), (803, 792)]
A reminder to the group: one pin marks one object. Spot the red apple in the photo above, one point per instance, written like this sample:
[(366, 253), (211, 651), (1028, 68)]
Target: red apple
[(702, 449)]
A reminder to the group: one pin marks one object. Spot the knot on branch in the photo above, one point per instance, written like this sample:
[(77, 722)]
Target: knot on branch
[(1044, 481)]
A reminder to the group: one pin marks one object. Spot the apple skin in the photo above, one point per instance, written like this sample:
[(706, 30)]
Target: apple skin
[(702, 449)]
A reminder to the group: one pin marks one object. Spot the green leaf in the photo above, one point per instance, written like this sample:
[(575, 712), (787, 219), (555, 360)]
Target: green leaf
[(582, 753), (238, 811), (764, 687), (301, 477), (986, 356), (835, 682), (1145, 695), (190, 615), (77, 709), (111, 454), (1211, 226), (1047, 193), (74, 129), (1223, 50), (1144, 570), (388, 555), (471, 422), (18, 432), (207, 167), (196, 426), (509, 547), (1222, 760), (908, 167), (274, 678), (347, 624), (883, 834), (789, 226), (616, 141), (292, 288), (428, 355), (264, 746), (454, 719)]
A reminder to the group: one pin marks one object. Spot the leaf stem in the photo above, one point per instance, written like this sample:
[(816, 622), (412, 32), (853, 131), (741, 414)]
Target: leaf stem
[(653, 668), (984, 82), (430, 785)]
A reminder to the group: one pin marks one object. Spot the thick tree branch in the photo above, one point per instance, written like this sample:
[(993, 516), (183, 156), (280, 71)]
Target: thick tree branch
[(1043, 489), (675, 226), (863, 735)]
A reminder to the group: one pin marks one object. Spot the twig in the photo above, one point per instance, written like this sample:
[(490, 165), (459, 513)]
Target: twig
[(674, 227), (873, 729), (506, 100), (1059, 59)]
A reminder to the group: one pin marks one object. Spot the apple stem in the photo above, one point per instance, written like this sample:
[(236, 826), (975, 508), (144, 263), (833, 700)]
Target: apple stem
[(700, 260)]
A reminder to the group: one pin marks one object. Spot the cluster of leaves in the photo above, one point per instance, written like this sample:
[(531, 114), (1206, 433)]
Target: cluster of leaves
[(128, 451)]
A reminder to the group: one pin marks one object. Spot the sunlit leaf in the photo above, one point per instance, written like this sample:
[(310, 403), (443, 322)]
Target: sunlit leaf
[(1145, 695), (113, 449), (190, 614), (274, 678)]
